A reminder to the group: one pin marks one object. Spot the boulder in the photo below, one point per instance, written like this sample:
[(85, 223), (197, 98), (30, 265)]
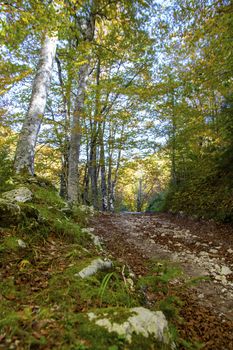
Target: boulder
[(21, 194), (141, 321), (9, 212)]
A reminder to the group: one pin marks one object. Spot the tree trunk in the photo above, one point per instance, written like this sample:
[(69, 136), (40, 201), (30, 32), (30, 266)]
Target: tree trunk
[(65, 141), (139, 196), (110, 156), (113, 185), (25, 152), (75, 139), (104, 196), (93, 146), (76, 134), (173, 145)]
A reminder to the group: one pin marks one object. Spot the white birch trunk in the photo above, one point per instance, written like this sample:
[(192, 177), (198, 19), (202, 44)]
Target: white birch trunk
[(25, 152)]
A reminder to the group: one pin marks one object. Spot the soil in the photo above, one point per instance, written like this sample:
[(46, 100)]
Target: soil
[(201, 248)]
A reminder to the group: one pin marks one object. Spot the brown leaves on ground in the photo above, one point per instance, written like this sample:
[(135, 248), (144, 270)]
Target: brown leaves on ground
[(201, 324)]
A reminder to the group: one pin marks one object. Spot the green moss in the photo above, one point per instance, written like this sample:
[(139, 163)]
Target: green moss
[(114, 314), (99, 338), (170, 306), (47, 196), (161, 273), (9, 243)]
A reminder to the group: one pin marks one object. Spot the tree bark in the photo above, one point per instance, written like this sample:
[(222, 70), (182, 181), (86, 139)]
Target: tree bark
[(76, 134), (173, 144), (25, 152), (113, 183), (104, 196), (93, 146), (87, 29), (65, 141)]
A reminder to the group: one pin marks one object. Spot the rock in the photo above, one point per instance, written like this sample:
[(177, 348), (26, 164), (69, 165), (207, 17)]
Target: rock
[(202, 253), (141, 322), (95, 238), (221, 279), (213, 251), (9, 213), (130, 282), (95, 266), (230, 251), (21, 243), (21, 194), (225, 270)]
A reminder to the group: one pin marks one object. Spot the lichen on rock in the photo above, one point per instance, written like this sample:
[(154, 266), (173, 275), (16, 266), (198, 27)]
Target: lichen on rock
[(21, 195), (140, 322)]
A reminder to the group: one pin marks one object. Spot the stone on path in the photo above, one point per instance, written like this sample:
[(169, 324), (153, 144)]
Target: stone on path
[(95, 266)]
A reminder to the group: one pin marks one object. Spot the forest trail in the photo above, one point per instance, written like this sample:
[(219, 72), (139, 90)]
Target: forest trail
[(200, 248)]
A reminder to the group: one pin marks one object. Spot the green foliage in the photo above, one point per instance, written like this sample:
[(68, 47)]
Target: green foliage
[(104, 284), (9, 244), (157, 203), (5, 169), (170, 307), (153, 172)]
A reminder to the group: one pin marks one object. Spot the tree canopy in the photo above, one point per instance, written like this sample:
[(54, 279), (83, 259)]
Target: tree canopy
[(132, 86)]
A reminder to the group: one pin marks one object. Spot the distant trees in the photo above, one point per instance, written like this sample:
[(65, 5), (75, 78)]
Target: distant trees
[(196, 109)]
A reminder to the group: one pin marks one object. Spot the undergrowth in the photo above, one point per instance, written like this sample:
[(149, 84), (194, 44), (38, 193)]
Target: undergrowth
[(44, 302)]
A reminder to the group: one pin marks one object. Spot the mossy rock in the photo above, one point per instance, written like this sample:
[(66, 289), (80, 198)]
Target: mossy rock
[(21, 195), (9, 213), (123, 328), (30, 212)]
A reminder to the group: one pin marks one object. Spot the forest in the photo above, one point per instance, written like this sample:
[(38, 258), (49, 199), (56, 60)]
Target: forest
[(113, 113), (105, 95)]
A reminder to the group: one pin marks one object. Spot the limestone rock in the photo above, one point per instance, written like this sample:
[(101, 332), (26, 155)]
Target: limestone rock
[(96, 265), (225, 270), (21, 194), (213, 251), (141, 322), (21, 243), (9, 213)]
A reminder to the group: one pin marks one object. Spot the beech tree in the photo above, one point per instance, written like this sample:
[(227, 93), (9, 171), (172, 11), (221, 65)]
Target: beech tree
[(25, 152)]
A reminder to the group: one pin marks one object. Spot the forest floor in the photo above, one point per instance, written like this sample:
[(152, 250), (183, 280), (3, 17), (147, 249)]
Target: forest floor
[(204, 250)]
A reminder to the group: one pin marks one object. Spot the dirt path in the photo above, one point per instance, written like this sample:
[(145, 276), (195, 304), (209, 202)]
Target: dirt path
[(201, 248)]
